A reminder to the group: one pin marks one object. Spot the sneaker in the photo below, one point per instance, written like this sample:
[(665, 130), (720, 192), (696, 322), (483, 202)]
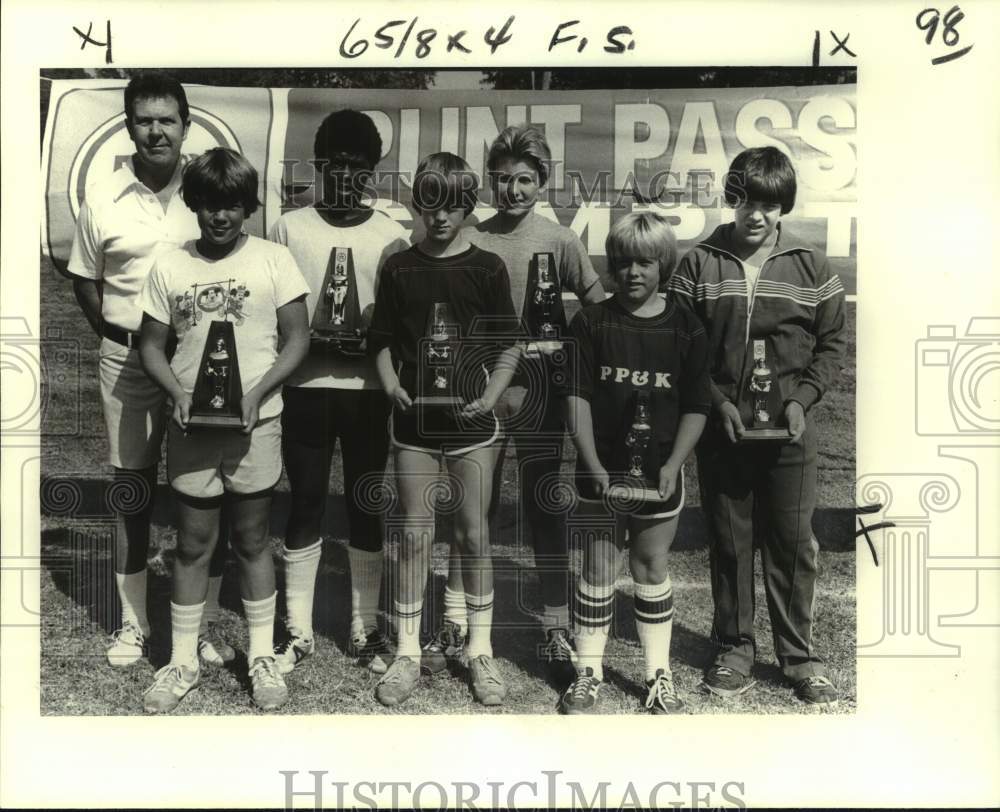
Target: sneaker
[(398, 682), (173, 683), (817, 690), (724, 681), (662, 694), (559, 657), (213, 650), (446, 645), (583, 695), (372, 650), (267, 688), (126, 646), (293, 651), (487, 684)]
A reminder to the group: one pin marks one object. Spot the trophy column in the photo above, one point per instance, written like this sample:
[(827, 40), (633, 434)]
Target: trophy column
[(544, 314), (765, 401), (436, 373), (336, 322), (905, 616), (218, 390)]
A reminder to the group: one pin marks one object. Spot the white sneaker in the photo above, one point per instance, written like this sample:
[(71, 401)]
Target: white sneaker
[(213, 650), (126, 646), (173, 683), (266, 685), (294, 650)]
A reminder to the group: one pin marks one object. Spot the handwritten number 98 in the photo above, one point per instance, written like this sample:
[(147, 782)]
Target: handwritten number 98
[(928, 19)]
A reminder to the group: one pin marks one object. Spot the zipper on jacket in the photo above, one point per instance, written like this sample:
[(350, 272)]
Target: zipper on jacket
[(751, 295)]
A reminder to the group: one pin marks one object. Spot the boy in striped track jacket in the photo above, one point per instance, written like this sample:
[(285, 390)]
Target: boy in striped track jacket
[(758, 291)]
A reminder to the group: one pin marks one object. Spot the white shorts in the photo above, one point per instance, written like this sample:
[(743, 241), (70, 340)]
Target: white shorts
[(135, 408), (205, 462)]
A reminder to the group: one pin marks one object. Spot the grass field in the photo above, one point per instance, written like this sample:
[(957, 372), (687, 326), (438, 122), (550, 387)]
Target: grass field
[(78, 601)]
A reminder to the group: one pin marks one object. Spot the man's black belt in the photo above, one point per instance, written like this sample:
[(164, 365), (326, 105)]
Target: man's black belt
[(124, 337)]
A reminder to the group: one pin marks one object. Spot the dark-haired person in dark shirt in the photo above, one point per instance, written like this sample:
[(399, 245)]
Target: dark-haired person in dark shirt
[(444, 269)]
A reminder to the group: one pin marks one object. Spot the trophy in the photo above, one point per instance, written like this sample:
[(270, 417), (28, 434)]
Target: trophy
[(218, 391), (336, 323), (642, 467), (544, 305), (436, 374), (765, 401)]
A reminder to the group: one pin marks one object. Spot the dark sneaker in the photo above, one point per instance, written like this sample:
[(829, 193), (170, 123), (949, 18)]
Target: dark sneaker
[(817, 690), (267, 687), (558, 657), (213, 650), (446, 645), (662, 694), (293, 651), (724, 681), (584, 695), (487, 684), (398, 682), (373, 651)]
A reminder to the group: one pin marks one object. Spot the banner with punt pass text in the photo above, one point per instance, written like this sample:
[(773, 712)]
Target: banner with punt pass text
[(613, 151)]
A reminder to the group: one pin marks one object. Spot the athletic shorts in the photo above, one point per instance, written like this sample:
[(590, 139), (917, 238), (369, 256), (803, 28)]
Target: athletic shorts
[(438, 431), (633, 507), (135, 408), (205, 462)]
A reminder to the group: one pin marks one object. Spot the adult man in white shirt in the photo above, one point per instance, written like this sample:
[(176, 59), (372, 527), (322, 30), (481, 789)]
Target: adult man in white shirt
[(124, 222)]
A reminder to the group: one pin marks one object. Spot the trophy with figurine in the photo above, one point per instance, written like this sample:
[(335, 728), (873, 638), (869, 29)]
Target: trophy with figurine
[(436, 372), (765, 402), (337, 323), (218, 390), (640, 480), (544, 305)]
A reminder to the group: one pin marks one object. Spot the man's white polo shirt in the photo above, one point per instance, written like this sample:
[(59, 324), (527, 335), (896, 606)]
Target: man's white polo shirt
[(121, 228)]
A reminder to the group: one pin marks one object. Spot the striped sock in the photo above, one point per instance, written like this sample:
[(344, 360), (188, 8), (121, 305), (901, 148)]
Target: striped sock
[(184, 623), (654, 620), (555, 617), (260, 619), (480, 609), (455, 609), (211, 613), (366, 581), (408, 628), (132, 591), (592, 613), (301, 567)]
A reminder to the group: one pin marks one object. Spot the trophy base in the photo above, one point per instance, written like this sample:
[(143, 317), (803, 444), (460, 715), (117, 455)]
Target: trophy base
[(542, 347), (215, 421), (438, 400), (766, 435), (342, 343), (634, 492)]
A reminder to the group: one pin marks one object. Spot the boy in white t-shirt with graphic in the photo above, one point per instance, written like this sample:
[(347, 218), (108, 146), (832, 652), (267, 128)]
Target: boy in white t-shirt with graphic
[(225, 275)]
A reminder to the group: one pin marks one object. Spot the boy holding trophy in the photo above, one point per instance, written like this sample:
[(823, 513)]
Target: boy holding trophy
[(637, 401), (543, 259), (339, 244), (226, 297), (775, 320), (443, 339)]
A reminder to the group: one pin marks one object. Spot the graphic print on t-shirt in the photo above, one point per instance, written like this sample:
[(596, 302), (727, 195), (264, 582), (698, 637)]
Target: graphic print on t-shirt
[(218, 300)]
